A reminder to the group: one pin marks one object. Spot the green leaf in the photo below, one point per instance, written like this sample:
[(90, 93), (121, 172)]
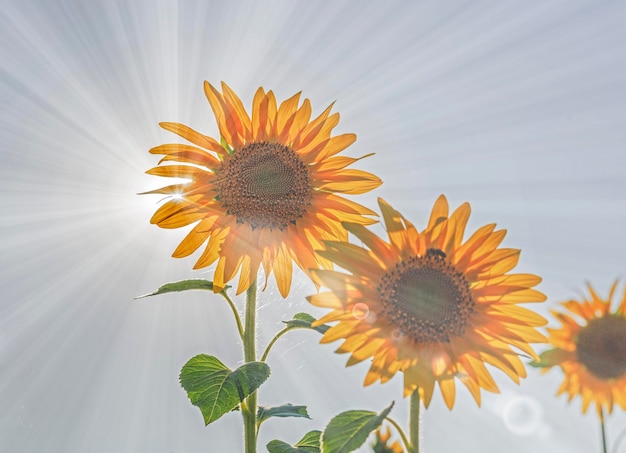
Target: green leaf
[(286, 410), (215, 389), (348, 431), (550, 358), (278, 446), (183, 285), (304, 321), (310, 443), (310, 440)]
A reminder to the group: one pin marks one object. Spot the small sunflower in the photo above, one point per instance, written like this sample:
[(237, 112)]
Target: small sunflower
[(382, 445), (430, 305), (266, 194), (590, 348)]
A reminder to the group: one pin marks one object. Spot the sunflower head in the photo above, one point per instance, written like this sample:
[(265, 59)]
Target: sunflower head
[(590, 348), (266, 194), (430, 304), (382, 444)]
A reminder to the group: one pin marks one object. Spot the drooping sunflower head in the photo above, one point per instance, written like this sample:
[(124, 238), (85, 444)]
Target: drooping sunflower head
[(382, 443), (590, 348), (268, 192), (430, 304)]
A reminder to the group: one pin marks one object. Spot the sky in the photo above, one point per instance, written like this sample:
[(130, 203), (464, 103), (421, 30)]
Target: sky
[(517, 107)]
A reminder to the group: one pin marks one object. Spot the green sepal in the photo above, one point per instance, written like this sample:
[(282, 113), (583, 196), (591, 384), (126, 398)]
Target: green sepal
[(286, 410), (549, 358), (310, 443), (183, 285), (349, 430), (226, 145), (304, 321), (215, 389)]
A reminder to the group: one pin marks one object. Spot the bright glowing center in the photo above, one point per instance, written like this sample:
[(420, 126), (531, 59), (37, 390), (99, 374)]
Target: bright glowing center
[(601, 347), (265, 185)]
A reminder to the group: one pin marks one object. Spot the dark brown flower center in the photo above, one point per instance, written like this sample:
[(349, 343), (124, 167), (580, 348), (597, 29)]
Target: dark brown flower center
[(426, 298), (265, 184), (601, 347)]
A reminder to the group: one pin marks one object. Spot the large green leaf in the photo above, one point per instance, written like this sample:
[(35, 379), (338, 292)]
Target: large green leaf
[(215, 389), (183, 285), (310, 443), (348, 431), (286, 410), (304, 321)]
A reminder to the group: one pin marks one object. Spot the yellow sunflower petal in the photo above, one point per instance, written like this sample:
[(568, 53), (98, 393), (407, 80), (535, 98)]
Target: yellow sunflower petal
[(239, 112), (249, 269), (622, 307), (226, 118), (195, 238), (286, 110), (319, 134), (305, 138), (473, 388), (461, 216), (439, 212), (330, 299), (394, 225), (211, 252), (463, 255), (185, 153), (379, 247), (260, 107), (283, 271), (298, 122), (194, 137), (352, 258), (322, 154), (448, 391), (177, 171), (175, 209)]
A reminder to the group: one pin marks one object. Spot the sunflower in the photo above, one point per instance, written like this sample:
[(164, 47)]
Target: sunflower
[(382, 445), (267, 193), (430, 305), (590, 348)]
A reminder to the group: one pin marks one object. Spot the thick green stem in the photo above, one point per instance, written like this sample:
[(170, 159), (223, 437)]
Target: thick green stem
[(249, 352), (414, 421), (604, 450)]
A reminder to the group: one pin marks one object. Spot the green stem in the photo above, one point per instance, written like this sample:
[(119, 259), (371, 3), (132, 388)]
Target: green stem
[(414, 421), (603, 431), (249, 351), (274, 340), (235, 312), (405, 441)]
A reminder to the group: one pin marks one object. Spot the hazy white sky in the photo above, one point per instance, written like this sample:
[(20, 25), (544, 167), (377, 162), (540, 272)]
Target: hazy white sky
[(517, 107)]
